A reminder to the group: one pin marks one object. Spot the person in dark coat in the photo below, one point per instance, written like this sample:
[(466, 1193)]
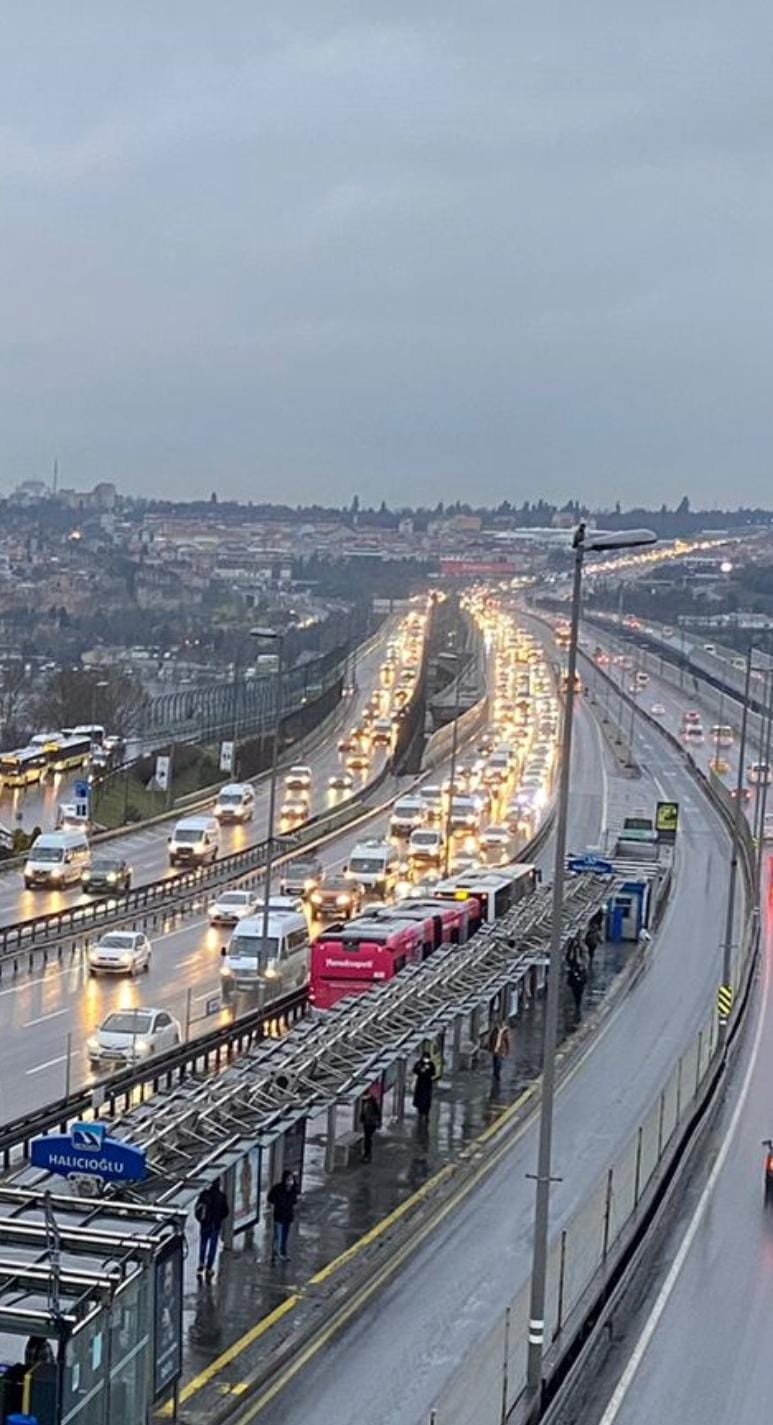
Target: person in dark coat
[(592, 942), (211, 1212), (424, 1078), (283, 1197), (370, 1120), (576, 978)]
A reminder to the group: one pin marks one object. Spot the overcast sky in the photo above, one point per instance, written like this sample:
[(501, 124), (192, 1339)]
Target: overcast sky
[(412, 250)]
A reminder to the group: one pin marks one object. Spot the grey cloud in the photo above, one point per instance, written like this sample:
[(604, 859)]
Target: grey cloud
[(413, 250)]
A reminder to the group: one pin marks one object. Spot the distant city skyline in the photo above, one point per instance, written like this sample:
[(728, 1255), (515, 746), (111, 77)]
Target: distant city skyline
[(463, 253)]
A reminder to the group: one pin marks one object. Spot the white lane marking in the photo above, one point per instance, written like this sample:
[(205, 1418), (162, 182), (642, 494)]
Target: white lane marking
[(41, 1018), (664, 1295), (38, 1069)]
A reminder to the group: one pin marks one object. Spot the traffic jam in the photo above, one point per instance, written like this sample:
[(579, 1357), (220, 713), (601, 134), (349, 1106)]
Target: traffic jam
[(446, 863), (430, 869)]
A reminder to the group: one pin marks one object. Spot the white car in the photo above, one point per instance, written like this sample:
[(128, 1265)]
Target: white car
[(658, 710), (341, 782), (298, 779), (119, 952), (130, 1035), (232, 906)]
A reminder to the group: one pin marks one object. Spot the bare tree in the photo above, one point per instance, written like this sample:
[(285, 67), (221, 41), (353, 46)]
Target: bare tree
[(15, 711), (72, 696)]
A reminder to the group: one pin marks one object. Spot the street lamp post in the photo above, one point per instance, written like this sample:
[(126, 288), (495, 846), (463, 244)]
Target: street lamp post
[(270, 635), (452, 658), (101, 683), (765, 776), (582, 542), (727, 947)]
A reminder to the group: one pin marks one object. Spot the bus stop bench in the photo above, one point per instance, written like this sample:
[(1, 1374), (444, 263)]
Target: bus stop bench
[(348, 1149)]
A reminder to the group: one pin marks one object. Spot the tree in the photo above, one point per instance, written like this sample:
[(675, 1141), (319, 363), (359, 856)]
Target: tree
[(72, 696), (14, 701)]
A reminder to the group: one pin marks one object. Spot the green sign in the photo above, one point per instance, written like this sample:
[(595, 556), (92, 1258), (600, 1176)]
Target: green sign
[(667, 821)]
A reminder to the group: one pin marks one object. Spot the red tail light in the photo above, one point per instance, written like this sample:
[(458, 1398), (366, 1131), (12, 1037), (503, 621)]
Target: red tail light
[(769, 1164)]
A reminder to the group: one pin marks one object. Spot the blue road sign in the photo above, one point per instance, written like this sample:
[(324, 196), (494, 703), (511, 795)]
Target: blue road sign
[(85, 1150), (81, 791), (88, 1135), (589, 862)]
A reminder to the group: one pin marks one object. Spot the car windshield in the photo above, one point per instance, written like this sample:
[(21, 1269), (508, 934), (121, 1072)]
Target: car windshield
[(368, 865), (118, 940), (187, 838), (424, 838), (254, 947), (235, 898), (306, 869), (104, 865), (47, 853), (128, 1021), (230, 799)]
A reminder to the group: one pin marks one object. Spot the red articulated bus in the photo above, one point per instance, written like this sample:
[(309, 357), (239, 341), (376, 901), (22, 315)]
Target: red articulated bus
[(352, 956), (453, 921)]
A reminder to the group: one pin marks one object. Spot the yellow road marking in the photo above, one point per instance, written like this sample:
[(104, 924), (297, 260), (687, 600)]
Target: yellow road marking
[(232, 1352)]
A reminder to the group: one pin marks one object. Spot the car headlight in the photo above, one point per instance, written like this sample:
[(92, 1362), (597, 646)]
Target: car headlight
[(93, 1045), (343, 899), (309, 884), (316, 899), (142, 1047), (55, 872), (226, 972), (112, 876), (86, 876), (271, 972)]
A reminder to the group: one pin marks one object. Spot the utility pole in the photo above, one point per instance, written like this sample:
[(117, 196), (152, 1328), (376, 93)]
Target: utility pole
[(725, 1000)]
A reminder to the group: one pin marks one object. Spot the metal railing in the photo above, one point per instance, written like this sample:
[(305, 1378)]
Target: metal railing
[(28, 943)]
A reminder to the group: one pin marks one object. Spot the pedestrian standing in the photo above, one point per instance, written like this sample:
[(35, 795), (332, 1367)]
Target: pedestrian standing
[(576, 978), (283, 1197), (592, 940), (370, 1121), (424, 1078), (211, 1212), (499, 1048)]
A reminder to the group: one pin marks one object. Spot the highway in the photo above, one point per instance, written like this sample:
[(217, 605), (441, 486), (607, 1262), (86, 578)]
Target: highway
[(661, 693), (699, 1351), (146, 847), (458, 1284), (37, 804), (46, 1016)]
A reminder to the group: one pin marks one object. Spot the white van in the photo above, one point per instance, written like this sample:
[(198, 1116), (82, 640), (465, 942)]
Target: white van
[(57, 858), (235, 802), (194, 841), (375, 865), (407, 814), (274, 965)]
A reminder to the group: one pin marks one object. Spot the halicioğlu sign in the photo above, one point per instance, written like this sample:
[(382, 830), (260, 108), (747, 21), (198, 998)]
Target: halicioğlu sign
[(87, 1149)]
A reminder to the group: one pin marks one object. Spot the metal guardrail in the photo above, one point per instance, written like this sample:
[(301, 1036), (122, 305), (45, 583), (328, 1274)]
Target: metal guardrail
[(202, 1055), (50, 935)]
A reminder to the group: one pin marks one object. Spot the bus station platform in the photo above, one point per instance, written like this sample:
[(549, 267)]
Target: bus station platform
[(233, 1325)]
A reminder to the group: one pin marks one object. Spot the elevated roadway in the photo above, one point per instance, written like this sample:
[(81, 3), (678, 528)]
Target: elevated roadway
[(401, 1356), (146, 847)]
